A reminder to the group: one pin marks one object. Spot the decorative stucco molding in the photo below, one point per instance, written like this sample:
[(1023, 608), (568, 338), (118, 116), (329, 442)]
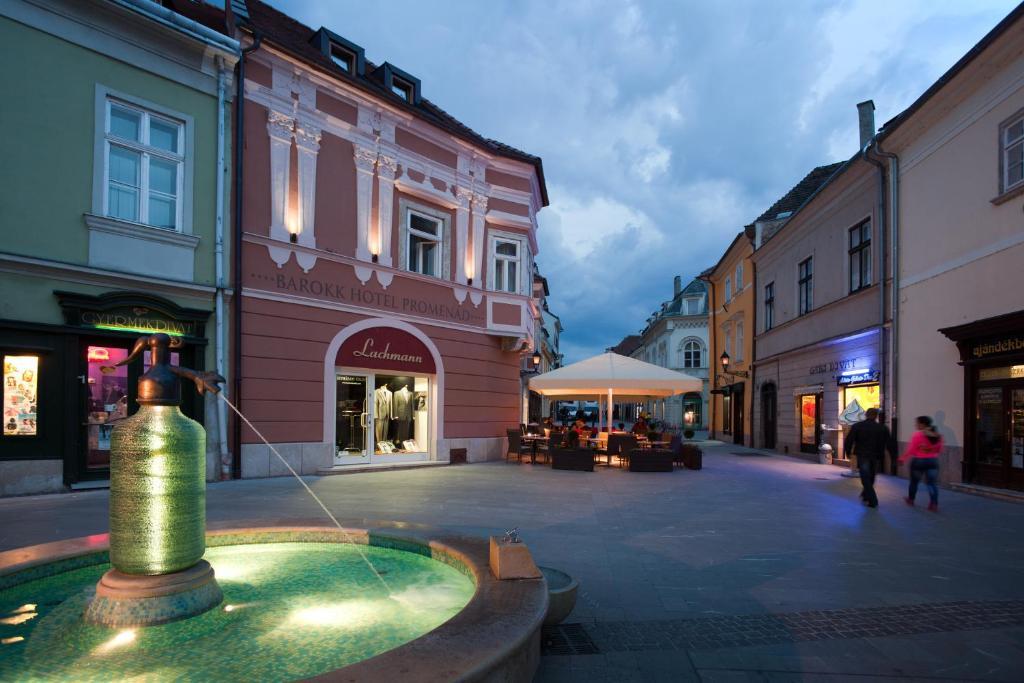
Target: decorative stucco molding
[(366, 161), (479, 203)]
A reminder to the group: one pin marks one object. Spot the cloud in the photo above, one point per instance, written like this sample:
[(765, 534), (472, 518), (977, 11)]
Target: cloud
[(664, 126)]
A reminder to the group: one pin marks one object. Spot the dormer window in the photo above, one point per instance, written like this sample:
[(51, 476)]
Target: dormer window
[(343, 59), (345, 54), (402, 89)]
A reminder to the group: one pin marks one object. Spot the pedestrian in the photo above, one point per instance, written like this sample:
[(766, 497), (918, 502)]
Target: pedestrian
[(923, 453), (868, 440)]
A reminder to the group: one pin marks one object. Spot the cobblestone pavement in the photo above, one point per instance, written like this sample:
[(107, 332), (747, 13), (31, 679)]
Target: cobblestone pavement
[(752, 569)]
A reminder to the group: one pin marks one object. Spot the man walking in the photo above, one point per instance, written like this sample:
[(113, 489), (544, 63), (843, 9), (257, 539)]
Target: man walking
[(868, 440)]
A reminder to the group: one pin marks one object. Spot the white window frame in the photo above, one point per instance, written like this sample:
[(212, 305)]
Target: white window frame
[(769, 306), (800, 310), (727, 333), (701, 351), (728, 290), (739, 276), (437, 239), (739, 341), (1005, 145), (186, 148), (406, 208), (146, 153), (494, 238)]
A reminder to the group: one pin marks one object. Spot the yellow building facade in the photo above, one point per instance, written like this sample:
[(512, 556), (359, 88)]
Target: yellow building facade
[(731, 339)]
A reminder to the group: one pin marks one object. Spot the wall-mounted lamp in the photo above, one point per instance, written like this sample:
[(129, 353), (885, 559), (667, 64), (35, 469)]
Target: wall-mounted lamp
[(469, 281), (535, 359), (724, 360), (293, 237), (374, 258)]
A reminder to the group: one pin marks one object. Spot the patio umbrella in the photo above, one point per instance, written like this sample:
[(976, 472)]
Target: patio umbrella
[(614, 375)]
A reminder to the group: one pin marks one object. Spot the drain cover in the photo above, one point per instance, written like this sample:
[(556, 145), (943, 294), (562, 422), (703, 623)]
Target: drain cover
[(566, 639)]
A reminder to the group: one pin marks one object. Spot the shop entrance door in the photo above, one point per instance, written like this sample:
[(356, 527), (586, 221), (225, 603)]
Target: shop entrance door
[(380, 418), (769, 408), (810, 422), (999, 436), (104, 402), (737, 414)]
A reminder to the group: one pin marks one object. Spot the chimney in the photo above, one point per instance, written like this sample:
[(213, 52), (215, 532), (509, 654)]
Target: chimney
[(866, 117), (677, 286)]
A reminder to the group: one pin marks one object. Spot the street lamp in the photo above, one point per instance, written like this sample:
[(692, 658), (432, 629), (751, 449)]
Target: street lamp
[(724, 360), (535, 360)]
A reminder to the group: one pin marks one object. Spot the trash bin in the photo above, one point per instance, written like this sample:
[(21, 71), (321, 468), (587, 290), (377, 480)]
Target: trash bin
[(825, 454)]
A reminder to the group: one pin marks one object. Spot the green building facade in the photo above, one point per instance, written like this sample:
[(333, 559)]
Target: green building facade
[(109, 220)]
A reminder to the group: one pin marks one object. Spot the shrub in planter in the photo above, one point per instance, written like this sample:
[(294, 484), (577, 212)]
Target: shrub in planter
[(688, 433)]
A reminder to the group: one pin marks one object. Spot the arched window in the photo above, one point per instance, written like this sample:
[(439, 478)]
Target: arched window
[(693, 353)]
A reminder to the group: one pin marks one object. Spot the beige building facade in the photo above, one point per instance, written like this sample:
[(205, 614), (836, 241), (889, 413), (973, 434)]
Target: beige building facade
[(958, 160)]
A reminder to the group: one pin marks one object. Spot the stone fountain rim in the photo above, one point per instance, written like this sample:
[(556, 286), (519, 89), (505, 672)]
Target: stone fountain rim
[(496, 636)]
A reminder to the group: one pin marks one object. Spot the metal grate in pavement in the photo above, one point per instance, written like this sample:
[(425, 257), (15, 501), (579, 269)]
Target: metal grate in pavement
[(764, 629), (749, 454), (566, 639)]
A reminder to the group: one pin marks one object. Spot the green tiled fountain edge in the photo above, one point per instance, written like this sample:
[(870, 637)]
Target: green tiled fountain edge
[(247, 537)]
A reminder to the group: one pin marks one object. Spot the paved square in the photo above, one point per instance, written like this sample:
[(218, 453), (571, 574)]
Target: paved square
[(754, 568)]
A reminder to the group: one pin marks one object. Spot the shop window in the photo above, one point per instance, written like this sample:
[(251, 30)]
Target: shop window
[(21, 398), (856, 400), (805, 286), (424, 238), (860, 256), (506, 265), (1012, 143), (143, 170), (769, 306), (400, 419)]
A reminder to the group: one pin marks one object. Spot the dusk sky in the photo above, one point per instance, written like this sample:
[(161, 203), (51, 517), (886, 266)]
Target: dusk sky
[(665, 127)]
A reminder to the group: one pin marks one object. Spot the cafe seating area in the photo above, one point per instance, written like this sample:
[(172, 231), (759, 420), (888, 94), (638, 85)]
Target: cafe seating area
[(632, 452)]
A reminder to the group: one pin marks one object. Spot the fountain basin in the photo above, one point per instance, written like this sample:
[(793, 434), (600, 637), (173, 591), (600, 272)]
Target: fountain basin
[(562, 590), (287, 614)]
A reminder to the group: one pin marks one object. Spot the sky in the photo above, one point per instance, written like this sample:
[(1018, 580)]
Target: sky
[(664, 126)]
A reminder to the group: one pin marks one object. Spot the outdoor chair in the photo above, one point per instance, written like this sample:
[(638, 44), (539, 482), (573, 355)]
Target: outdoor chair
[(620, 445), (693, 458), (676, 446), (650, 460), (516, 446), (575, 459)]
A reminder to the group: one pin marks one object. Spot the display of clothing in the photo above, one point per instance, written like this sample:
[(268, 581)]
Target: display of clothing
[(402, 404), (382, 411)]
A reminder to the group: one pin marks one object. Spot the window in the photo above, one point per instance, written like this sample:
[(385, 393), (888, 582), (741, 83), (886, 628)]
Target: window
[(860, 256), (402, 89), (739, 341), (21, 383), (693, 354), (692, 306), (769, 306), (1012, 143), (728, 290), (739, 276), (505, 255), (343, 58), (663, 355), (805, 283), (423, 245), (727, 332), (143, 166)]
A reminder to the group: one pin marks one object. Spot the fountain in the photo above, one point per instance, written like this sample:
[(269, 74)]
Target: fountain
[(163, 598)]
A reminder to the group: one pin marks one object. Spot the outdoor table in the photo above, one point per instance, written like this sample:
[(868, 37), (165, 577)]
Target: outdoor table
[(533, 440)]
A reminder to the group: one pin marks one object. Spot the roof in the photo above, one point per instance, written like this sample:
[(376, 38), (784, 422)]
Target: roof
[(294, 37), (706, 273), (621, 375), (1015, 15), (628, 345), (801, 192)]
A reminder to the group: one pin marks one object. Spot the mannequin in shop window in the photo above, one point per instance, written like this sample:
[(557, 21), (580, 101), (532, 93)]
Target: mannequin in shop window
[(382, 400), (402, 404)]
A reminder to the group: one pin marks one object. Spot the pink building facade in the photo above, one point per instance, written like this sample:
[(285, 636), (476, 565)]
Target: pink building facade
[(387, 259)]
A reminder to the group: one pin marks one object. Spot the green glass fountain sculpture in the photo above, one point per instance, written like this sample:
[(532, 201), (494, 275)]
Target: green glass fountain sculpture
[(157, 502)]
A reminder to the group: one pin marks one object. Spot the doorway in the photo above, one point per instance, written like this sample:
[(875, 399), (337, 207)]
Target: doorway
[(999, 435), (810, 422), (381, 418), (769, 410), (737, 414)]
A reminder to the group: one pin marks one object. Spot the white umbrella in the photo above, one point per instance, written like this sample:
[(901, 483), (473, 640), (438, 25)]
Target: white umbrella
[(614, 375)]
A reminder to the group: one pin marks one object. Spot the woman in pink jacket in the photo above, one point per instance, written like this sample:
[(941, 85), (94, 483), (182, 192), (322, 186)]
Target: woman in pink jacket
[(923, 453)]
